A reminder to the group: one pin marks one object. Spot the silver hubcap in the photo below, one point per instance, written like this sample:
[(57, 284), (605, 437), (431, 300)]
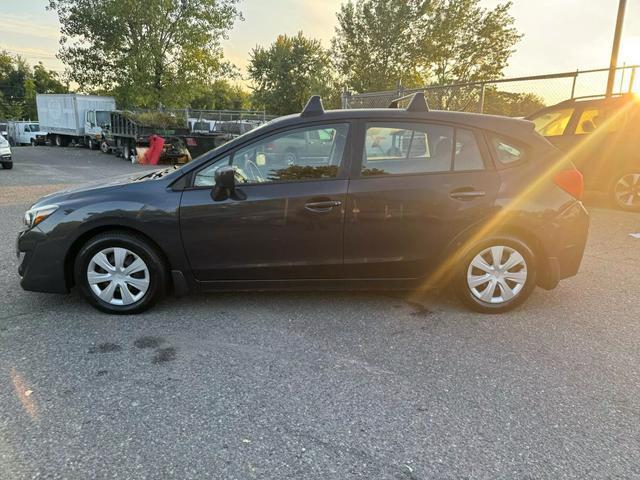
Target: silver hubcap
[(118, 276), (497, 274), (627, 190)]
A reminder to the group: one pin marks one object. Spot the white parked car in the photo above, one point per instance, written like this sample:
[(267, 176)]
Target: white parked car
[(25, 133), (5, 153)]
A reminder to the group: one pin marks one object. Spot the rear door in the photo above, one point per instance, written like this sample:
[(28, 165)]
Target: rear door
[(414, 187)]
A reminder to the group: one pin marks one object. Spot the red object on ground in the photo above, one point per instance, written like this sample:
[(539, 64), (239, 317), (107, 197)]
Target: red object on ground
[(156, 144)]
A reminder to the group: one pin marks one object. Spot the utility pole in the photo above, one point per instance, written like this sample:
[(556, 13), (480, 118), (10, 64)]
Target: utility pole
[(616, 46)]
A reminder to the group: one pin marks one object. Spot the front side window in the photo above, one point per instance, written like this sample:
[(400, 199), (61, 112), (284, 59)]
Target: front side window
[(206, 176), (302, 154), (553, 123)]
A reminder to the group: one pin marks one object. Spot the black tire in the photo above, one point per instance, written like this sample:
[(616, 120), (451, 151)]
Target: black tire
[(33, 142), (464, 292), (59, 141), (624, 191), (126, 152), (90, 144), (104, 147), (158, 278), (7, 165)]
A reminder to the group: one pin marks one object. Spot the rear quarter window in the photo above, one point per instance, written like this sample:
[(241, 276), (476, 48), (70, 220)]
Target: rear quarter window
[(506, 151)]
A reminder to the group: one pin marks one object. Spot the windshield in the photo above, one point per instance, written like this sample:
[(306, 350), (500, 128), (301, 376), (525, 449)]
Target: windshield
[(103, 118)]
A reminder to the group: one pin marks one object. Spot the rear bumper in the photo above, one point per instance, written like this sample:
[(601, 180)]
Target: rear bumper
[(565, 247)]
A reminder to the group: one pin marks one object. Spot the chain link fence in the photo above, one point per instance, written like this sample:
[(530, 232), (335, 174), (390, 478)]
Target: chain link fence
[(514, 97)]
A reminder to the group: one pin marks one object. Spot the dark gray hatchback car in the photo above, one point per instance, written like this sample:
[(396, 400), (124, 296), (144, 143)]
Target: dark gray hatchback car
[(393, 199)]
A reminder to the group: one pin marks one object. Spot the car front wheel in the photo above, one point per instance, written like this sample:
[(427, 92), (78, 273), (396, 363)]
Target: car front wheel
[(496, 275), (120, 273)]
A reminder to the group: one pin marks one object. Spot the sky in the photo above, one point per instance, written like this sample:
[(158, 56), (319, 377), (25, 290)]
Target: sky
[(559, 35)]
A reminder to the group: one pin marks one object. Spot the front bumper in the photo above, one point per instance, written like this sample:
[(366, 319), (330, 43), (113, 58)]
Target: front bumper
[(40, 268), (6, 158)]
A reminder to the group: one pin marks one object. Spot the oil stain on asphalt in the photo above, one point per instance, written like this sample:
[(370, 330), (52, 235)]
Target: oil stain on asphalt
[(105, 348), (148, 342), (163, 355)]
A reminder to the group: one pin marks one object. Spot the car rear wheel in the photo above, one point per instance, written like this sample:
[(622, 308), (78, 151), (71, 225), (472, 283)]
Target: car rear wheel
[(120, 273), (625, 191), (496, 275), (7, 165)]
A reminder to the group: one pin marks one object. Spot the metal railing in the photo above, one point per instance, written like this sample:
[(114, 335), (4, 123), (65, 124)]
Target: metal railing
[(517, 96)]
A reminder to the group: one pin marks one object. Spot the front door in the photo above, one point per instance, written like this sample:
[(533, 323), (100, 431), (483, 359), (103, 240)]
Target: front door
[(285, 220), (417, 187)]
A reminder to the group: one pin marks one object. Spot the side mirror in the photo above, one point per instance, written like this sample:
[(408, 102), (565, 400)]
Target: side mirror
[(225, 184), (225, 177)]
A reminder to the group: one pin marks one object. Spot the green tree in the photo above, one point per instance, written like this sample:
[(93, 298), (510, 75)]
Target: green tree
[(19, 84), (379, 43), (221, 95), (462, 42), (374, 43), (147, 52), (511, 104), (288, 72)]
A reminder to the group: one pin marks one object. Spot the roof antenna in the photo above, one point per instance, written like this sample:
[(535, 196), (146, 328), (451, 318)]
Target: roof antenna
[(313, 107), (418, 103)]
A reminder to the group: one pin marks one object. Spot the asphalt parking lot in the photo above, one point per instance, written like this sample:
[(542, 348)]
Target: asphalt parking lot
[(317, 385)]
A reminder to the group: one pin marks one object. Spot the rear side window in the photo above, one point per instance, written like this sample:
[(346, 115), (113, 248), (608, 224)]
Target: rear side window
[(506, 152), (411, 148), (553, 123), (468, 155), (590, 119)]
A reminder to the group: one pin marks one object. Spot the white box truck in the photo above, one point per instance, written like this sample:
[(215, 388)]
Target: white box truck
[(74, 118)]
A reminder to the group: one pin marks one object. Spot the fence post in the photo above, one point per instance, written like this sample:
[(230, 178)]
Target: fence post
[(481, 100), (573, 86), (632, 80), (344, 99)]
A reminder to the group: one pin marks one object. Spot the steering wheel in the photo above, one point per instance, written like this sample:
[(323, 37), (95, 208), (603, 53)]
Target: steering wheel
[(253, 171)]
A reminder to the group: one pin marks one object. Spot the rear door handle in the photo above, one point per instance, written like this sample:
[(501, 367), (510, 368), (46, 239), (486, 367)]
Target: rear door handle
[(322, 206), (467, 194)]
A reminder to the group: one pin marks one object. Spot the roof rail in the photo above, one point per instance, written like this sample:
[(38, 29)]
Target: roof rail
[(313, 107), (417, 104)]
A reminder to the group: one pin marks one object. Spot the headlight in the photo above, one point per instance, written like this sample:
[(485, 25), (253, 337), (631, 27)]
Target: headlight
[(34, 216)]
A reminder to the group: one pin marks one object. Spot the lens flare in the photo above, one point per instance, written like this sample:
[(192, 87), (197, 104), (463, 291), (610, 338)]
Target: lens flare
[(448, 266)]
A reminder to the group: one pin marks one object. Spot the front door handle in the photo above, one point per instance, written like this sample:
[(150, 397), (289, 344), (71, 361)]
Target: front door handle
[(322, 206), (466, 194)]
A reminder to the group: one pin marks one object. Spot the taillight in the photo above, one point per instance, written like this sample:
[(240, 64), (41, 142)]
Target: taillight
[(571, 181)]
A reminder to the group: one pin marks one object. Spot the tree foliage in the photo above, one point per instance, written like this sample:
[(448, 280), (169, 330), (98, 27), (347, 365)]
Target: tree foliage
[(19, 84), (146, 52), (221, 95), (511, 104), (288, 72), (379, 43), (374, 44)]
